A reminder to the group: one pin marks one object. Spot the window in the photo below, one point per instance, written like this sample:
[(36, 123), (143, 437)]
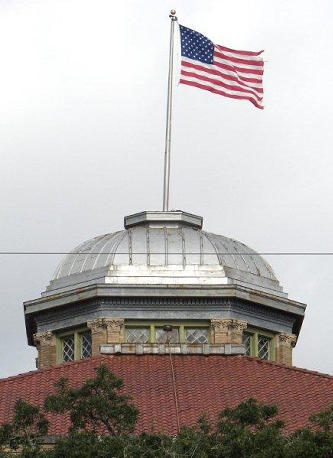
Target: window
[(68, 348), (145, 332), (85, 344), (259, 343), (196, 335), (74, 345), (263, 347), (247, 343), (138, 335), (163, 336)]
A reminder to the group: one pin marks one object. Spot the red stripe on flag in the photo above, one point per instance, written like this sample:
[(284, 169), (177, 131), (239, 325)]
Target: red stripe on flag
[(237, 60), (243, 53), (220, 83), (216, 91), (239, 79), (239, 69)]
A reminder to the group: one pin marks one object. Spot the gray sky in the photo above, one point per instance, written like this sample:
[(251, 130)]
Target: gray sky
[(82, 119)]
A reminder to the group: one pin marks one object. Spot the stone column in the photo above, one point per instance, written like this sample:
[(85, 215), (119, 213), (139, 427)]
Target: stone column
[(284, 344), (104, 331), (227, 330), (47, 350)]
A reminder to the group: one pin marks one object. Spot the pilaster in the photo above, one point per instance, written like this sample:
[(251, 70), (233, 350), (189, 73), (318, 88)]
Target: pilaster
[(227, 330), (105, 331), (284, 344), (46, 345)]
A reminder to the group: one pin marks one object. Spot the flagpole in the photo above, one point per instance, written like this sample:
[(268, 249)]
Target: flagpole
[(173, 18)]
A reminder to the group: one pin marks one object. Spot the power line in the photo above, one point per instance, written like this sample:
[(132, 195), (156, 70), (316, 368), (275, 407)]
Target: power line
[(222, 253)]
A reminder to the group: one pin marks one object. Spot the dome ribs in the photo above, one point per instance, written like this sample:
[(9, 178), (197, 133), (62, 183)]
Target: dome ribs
[(164, 254), (117, 238)]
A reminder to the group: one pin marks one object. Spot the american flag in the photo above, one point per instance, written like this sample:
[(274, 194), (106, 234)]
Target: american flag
[(221, 70)]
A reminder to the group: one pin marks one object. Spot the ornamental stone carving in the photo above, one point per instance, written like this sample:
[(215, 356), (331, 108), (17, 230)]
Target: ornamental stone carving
[(219, 325), (227, 330), (96, 325), (287, 339), (106, 330), (112, 324), (43, 337), (46, 346), (284, 345)]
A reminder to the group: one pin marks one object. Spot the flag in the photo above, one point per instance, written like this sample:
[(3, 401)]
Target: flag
[(221, 70)]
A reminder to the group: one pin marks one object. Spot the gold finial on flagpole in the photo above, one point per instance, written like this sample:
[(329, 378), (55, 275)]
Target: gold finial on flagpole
[(172, 15)]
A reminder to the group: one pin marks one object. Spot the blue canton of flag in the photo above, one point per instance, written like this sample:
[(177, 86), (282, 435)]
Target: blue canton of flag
[(196, 46), (221, 70)]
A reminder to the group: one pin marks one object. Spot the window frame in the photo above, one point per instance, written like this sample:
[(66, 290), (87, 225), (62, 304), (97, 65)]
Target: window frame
[(181, 325), (254, 334), (76, 333)]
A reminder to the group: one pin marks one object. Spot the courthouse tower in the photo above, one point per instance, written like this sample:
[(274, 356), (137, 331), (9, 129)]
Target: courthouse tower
[(162, 284)]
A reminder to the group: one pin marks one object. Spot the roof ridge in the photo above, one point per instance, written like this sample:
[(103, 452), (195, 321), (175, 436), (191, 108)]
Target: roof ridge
[(285, 366), (56, 366), (106, 357)]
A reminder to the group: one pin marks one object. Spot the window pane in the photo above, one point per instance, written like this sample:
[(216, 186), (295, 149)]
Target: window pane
[(68, 348), (247, 343), (163, 336), (137, 335), (263, 347), (196, 335), (86, 345)]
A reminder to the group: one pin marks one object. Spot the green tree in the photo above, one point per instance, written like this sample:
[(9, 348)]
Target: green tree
[(315, 441), (248, 430), (26, 430), (103, 420), (95, 406)]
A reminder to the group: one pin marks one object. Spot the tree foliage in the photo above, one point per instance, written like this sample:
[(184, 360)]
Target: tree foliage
[(26, 430), (96, 405), (102, 420)]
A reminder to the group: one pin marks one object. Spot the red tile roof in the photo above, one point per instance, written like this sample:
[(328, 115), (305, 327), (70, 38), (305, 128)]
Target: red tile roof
[(203, 384)]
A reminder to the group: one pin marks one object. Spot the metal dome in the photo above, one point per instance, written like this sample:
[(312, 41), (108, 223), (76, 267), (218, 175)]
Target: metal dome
[(163, 248)]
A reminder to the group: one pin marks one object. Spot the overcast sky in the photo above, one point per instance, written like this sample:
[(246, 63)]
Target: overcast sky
[(82, 122)]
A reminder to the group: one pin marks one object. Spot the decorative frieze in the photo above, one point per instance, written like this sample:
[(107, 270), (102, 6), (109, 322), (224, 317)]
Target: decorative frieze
[(227, 330), (149, 308)]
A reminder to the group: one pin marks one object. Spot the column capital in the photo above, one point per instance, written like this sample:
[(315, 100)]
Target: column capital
[(43, 337), (221, 324), (287, 339), (112, 324), (227, 330), (106, 330)]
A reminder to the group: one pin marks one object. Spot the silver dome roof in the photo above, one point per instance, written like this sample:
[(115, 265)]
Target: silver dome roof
[(163, 248)]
